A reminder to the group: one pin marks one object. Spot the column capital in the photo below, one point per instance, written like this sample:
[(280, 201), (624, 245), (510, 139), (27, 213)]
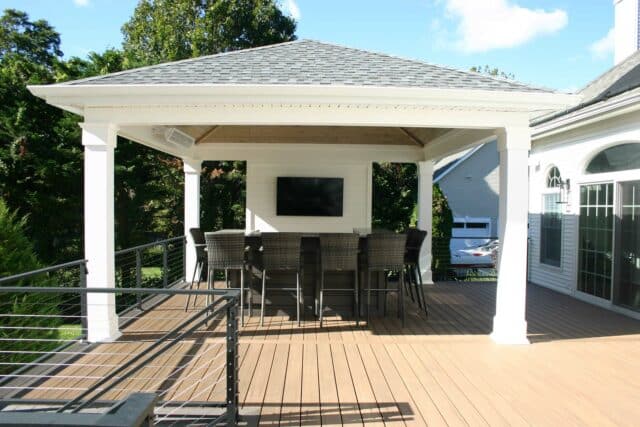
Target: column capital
[(193, 166), (99, 134), (426, 164), (514, 138)]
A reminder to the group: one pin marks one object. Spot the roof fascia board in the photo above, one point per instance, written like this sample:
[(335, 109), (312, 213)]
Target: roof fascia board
[(597, 112), (121, 95), (306, 115)]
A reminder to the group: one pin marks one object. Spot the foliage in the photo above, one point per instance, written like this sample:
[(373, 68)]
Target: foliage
[(395, 187), (492, 71), (395, 195), (17, 255), (39, 154), (149, 194), (169, 30), (441, 234), (223, 190)]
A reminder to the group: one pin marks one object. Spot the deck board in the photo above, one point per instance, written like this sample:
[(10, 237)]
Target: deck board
[(581, 369)]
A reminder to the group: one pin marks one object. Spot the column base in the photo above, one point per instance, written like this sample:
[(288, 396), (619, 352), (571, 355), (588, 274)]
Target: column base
[(509, 331), (104, 333), (427, 278)]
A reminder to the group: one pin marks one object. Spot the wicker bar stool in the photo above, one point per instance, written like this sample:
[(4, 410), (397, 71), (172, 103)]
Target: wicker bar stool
[(415, 238), (339, 252), (385, 253), (281, 252), (201, 259), (226, 251)]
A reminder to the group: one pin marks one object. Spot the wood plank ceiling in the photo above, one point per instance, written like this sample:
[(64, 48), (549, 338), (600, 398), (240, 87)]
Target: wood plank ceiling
[(207, 134)]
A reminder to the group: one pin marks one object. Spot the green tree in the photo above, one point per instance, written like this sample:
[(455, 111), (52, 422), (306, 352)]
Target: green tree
[(17, 255), (492, 71), (395, 195), (169, 30), (39, 151), (223, 190)]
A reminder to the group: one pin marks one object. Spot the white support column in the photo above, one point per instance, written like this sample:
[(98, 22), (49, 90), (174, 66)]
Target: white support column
[(509, 323), (425, 216), (192, 170), (99, 142)]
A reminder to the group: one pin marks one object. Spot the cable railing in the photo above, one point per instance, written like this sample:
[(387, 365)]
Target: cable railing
[(182, 362), (158, 264)]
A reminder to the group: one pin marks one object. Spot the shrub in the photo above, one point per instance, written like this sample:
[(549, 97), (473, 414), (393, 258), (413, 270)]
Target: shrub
[(18, 310)]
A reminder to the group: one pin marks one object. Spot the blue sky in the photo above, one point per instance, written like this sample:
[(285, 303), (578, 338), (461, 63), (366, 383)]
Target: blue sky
[(561, 44)]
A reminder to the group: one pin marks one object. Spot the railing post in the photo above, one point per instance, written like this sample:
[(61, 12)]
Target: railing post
[(184, 258), (139, 277), (165, 265), (83, 299), (232, 362)]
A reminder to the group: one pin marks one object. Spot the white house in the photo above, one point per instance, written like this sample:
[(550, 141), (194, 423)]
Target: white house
[(470, 181), (584, 173)]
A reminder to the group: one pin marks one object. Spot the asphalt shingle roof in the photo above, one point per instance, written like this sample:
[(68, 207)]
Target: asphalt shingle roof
[(307, 62), (623, 78)]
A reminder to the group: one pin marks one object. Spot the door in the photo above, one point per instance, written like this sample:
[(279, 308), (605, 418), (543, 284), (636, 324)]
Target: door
[(627, 290), (596, 240)]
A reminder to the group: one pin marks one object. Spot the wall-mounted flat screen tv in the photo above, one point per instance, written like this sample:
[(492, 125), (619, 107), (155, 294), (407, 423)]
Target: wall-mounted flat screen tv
[(309, 196)]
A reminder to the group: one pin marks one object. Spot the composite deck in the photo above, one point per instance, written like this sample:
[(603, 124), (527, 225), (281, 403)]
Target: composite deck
[(583, 367)]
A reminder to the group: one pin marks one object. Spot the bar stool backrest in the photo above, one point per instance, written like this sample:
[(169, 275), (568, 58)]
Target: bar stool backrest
[(415, 238), (385, 251), (339, 251), (198, 239), (281, 251), (225, 250)]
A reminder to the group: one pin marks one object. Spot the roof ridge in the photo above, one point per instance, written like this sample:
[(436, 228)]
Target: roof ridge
[(180, 61), (431, 64)]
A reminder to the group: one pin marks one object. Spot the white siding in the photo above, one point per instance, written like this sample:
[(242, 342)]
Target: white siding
[(261, 196), (571, 152), (472, 187)]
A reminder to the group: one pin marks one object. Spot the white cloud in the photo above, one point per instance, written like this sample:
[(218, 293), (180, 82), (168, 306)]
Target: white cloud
[(81, 3), (291, 7), (497, 24), (604, 47)]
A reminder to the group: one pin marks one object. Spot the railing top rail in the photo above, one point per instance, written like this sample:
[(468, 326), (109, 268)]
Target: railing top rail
[(31, 273), (230, 293), (150, 245)]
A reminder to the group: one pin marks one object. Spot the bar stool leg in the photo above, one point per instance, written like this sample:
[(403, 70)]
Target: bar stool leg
[(401, 299), (298, 296), (193, 279), (242, 297), (321, 308), (368, 297), (408, 283), (264, 279), (424, 300), (356, 308), (250, 291), (384, 294)]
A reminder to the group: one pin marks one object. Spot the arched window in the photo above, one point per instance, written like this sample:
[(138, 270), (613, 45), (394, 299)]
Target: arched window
[(615, 159), (554, 180)]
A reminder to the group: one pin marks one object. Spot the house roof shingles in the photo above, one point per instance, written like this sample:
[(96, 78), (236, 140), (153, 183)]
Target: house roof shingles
[(306, 62), (623, 78)]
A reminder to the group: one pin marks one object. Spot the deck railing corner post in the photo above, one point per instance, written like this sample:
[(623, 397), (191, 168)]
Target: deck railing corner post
[(165, 265), (83, 299), (232, 362)]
